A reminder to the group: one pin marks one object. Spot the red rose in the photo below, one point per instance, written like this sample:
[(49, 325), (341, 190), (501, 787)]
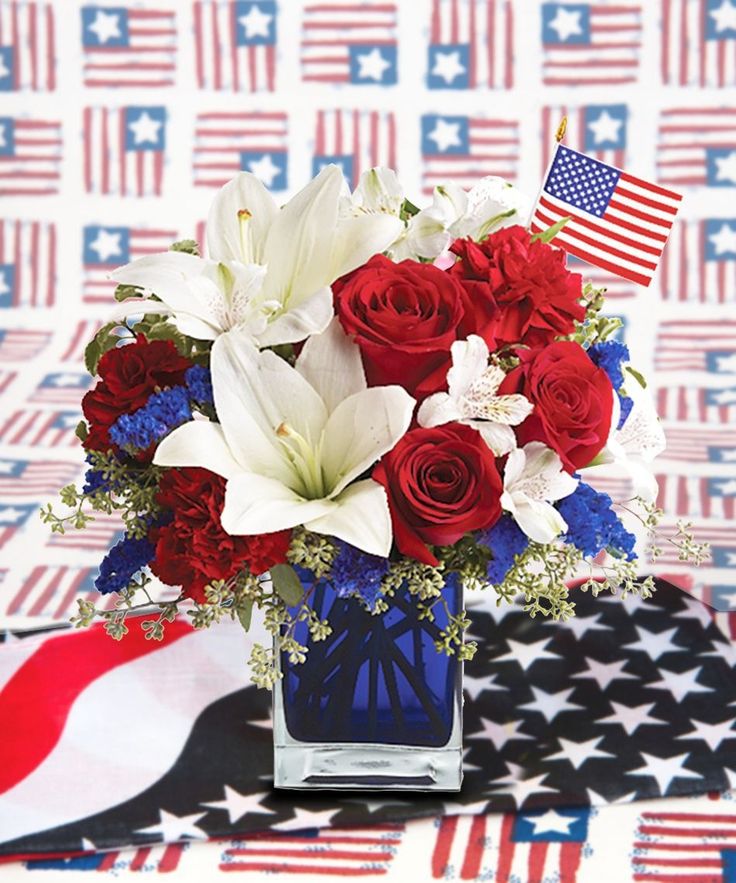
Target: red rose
[(537, 296), (441, 483), (129, 375), (192, 550), (405, 317), (572, 398)]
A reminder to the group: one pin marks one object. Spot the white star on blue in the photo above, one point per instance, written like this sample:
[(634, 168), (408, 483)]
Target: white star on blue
[(581, 181)]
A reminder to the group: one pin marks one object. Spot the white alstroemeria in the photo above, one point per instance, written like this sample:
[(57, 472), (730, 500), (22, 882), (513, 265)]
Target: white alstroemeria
[(379, 192), (631, 450), (472, 398), (269, 270), (292, 441), (490, 205), (533, 479)]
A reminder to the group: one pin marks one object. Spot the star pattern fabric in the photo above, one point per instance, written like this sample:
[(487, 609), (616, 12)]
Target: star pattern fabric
[(637, 701)]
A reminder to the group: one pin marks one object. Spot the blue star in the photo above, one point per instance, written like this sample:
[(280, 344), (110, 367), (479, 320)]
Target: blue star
[(7, 61), (605, 126), (106, 245), (105, 26), (551, 826), (7, 285), (255, 23), (268, 167), (7, 136), (565, 24), (449, 66), (720, 20), (145, 128), (720, 166), (344, 161), (445, 135), (373, 64)]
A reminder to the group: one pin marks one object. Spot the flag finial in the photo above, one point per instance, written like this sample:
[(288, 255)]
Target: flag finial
[(561, 129)]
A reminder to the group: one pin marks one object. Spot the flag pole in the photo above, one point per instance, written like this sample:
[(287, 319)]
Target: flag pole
[(559, 135), (561, 129)]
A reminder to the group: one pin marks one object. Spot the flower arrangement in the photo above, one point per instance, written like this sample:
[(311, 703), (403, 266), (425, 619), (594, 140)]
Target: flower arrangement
[(354, 390)]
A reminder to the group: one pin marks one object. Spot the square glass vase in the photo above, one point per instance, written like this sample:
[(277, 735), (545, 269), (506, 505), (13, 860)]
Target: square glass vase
[(375, 706)]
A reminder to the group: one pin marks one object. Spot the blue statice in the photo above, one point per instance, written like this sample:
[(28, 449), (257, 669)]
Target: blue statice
[(356, 573), (199, 383), (505, 540), (593, 526), (95, 479), (122, 562), (163, 412), (611, 355)]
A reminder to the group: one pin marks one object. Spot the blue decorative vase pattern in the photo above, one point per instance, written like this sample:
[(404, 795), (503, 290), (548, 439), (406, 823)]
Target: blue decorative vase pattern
[(373, 706)]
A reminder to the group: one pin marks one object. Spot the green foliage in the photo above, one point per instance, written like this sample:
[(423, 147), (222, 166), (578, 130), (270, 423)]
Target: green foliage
[(408, 210), (188, 246), (287, 584), (549, 234), (105, 339), (311, 551)]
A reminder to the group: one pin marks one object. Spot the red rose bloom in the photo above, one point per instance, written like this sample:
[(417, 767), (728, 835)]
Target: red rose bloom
[(404, 317), (572, 398), (128, 376), (537, 296), (192, 550), (441, 483)]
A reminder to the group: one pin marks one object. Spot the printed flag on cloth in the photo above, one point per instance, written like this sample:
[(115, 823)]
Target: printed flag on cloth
[(699, 263), (617, 221), (27, 264), (128, 47), (30, 156), (598, 130), (27, 46), (355, 141), (699, 43), (697, 147)]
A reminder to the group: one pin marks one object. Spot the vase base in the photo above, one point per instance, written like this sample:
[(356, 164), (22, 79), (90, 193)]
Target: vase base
[(367, 767)]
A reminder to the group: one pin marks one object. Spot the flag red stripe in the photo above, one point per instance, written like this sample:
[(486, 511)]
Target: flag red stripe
[(646, 185), (652, 203), (276, 868), (643, 216), (443, 845), (474, 852)]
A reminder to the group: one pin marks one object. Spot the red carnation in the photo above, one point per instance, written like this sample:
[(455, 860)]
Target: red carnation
[(405, 317), (537, 296), (192, 550), (572, 398), (441, 483), (128, 376)]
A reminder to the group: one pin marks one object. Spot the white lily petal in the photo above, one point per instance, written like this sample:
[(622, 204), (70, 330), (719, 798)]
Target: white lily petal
[(360, 430), (514, 467), (361, 518), (379, 190), (331, 363), (300, 241), (358, 239), (255, 393), (255, 504), (438, 409), (231, 236), (499, 438), (198, 443), (194, 327), (540, 521), (426, 236), (469, 361), (311, 316)]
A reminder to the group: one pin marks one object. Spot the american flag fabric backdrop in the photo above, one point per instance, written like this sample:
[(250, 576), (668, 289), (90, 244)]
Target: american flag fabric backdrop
[(118, 119)]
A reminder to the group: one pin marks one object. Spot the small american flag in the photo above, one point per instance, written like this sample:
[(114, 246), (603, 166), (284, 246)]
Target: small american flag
[(462, 149), (105, 248), (698, 43), (235, 45), (27, 46), (617, 222), (599, 130), (124, 150), (697, 496), (350, 41), (30, 156), (694, 846), (13, 517), (697, 404), (591, 44), (150, 859), (125, 46), (699, 443), (81, 333), (228, 142), (99, 535), (532, 845), (27, 264), (696, 345), (21, 345), (339, 852), (471, 45), (354, 140), (697, 147), (699, 264), (33, 479), (29, 427), (61, 388), (49, 591)]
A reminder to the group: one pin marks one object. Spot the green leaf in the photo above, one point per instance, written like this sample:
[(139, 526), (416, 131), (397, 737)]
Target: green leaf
[(287, 584), (81, 431), (188, 246), (549, 234), (123, 292), (408, 210), (640, 379), (103, 341), (245, 613)]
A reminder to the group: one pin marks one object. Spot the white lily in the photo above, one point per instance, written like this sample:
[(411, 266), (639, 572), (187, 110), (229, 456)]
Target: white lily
[(292, 441), (631, 450), (269, 269), (490, 205), (533, 479), (472, 398)]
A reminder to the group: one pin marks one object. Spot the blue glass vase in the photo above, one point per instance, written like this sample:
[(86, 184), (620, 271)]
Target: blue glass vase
[(374, 706)]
